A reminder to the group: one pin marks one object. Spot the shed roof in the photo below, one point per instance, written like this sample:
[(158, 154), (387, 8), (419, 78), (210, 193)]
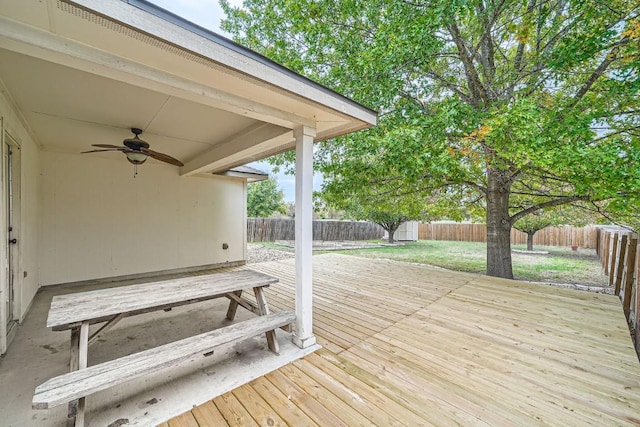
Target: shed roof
[(249, 173)]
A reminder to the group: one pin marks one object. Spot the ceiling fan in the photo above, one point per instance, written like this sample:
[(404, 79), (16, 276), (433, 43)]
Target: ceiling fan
[(136, 150)]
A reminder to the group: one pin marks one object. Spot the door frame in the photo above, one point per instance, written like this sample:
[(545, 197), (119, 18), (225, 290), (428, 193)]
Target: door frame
[(8, 328)]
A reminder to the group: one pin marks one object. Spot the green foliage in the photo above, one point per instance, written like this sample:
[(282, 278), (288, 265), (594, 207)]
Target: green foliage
[(508, 107), (265, 198)]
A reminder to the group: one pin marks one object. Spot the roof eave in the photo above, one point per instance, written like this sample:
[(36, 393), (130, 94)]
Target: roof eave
[(152, 20)]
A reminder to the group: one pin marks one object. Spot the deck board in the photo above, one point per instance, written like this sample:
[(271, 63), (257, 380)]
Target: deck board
[(408, 345), (281, 404), (209, 415), (233, 411)]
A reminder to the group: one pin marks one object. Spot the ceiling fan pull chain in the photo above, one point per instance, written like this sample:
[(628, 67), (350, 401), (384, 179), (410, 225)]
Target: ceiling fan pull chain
[(135, 170)]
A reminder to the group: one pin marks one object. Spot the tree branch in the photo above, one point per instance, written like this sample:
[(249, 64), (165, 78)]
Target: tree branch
[(478, 91), (449, 85), (548, 204), (611, 57), (517, 62)]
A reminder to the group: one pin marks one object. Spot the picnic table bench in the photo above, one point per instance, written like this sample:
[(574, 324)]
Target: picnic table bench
[(80, 310)]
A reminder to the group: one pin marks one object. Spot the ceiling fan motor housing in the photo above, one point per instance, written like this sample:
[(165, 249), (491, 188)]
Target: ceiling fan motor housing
[(135, 143)]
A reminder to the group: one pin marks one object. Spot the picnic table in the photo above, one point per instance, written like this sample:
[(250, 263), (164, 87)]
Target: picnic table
[(77, 311)]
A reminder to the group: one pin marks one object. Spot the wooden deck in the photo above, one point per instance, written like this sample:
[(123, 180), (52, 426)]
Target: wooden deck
[(408, 345)]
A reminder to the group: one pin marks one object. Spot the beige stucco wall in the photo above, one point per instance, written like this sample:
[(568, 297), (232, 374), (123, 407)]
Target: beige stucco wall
[(99, 221), (27, 248)]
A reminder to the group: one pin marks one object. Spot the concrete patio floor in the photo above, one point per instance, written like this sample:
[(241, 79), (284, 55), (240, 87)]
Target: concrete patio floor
[(38, 354)]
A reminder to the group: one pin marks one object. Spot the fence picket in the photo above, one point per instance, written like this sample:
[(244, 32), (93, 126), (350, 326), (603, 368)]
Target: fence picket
[(272, 229), (620, 253), (584, 237)]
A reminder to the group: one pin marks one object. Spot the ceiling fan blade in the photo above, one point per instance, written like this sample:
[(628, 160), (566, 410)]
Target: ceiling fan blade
[(98, 151), (107, 146), (162, 157)]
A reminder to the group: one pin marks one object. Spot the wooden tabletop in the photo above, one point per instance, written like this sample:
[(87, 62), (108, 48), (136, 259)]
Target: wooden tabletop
[(68, 311)]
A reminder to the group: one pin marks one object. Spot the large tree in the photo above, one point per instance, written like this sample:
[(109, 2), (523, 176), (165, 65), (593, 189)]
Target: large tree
[(564, 215), (389, 214), (264, 198), (379, 202), (514, 105)]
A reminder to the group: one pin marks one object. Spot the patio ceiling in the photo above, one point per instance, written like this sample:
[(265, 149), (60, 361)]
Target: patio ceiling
[(85, 72)]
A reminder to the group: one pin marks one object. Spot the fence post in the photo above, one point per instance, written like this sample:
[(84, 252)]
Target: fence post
[(628, 275), (635, 317), (612, 257), (606, 238), (620, 259)]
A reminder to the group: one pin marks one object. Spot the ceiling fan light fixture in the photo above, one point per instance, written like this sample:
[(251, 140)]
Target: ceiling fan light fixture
[(136, 158)]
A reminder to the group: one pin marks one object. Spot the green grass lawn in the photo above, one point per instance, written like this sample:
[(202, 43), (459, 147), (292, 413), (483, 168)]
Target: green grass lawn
[(561, 265)]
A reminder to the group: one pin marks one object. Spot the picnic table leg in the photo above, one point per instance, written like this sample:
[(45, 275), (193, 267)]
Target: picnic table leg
[(79, 350), (264, 310), (73, 366), (233, 306)]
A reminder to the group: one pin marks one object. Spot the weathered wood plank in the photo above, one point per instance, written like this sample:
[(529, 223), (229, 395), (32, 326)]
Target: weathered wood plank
[(104, 328), (70, 310), (83, 349), (263, 307), (81, 383), (234, 300), (74, 363)]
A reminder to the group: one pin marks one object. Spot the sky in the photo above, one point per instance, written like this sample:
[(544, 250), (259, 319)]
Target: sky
[(207, 14)]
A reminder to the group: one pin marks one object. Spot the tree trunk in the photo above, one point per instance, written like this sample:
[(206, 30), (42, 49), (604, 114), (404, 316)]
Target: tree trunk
[(391, 231), (530, 240), (498, 224)]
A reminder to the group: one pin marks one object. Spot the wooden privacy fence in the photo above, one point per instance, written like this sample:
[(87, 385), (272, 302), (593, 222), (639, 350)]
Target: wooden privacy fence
[(618, 250), (584, 237), (272, 229)]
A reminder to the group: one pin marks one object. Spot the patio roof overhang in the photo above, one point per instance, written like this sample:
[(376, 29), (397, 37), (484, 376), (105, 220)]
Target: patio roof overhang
[(85, 72)]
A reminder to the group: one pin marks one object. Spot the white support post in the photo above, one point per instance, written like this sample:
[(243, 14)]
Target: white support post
[(304, 135)]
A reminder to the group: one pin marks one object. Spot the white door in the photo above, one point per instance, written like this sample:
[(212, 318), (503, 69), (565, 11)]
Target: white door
[(11, 196)]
